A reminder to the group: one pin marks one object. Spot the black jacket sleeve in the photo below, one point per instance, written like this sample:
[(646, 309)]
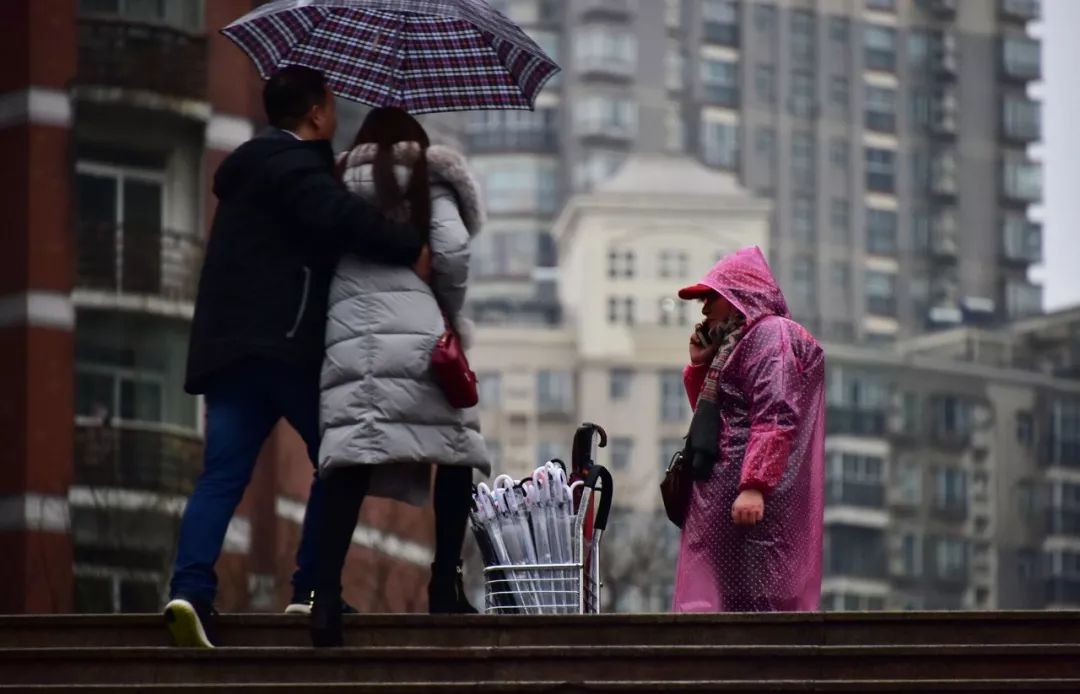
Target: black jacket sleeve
[(318, 206)]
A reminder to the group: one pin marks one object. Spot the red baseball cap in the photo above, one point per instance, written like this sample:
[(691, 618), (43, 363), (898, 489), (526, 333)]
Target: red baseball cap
[(696, 291)]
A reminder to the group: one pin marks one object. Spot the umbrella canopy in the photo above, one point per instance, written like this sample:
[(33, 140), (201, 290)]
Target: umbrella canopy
[(423, 56)]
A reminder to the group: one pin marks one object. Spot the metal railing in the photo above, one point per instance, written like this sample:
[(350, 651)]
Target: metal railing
[(139, 260), (137, 456), (142, 56)]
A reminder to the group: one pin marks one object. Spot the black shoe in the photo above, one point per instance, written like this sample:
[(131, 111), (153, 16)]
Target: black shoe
[(326, 623), (190, 622), (301, 604), (446, 591)]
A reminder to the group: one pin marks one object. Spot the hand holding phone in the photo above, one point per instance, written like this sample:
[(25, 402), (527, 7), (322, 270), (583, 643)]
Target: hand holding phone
[(702, 347)]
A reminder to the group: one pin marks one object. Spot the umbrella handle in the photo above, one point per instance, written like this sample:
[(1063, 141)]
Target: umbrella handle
[(599, 473), (583, 454)]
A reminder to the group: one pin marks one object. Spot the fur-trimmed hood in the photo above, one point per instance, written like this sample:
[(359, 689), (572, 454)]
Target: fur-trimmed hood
[(446, 166)]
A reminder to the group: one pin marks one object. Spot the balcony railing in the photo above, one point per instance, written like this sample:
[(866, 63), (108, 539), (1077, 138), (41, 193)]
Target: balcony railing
[(857, 562), (855, 422), (1063, 591), (1062, 452), (541, 140), (861, 494), (1063, 522), (135, 260), (606, 9), (145, 57), (137, 456)]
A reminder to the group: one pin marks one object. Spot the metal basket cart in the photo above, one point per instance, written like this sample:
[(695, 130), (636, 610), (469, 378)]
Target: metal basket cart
[(566, 588)]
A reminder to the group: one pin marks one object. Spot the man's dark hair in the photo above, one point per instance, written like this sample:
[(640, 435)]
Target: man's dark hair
[(290, 93)]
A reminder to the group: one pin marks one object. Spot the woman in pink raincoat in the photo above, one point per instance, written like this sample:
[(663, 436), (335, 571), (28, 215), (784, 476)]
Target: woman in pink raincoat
[(751, 539)]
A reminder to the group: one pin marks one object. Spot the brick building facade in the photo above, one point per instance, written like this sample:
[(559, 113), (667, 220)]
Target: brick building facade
[(114, 117)]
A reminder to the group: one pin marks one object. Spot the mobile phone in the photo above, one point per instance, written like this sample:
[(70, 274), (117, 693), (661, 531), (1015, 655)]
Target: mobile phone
[(704, 335)]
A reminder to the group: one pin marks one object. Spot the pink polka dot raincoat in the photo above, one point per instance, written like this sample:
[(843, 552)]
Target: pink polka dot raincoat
[(772, 433)]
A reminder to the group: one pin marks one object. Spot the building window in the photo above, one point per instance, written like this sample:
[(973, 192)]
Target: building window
[(512, 130), (621, 310), (1023, 299), (622, 453), (880, 170), (555, 392), (803, 216), (720, 144), (489, 387), (803, 282), (720, 81), (951, 554), (551, 450), (721, 19), (673, 312), (1021, 57), (841, 277), (606, 116), (604, 49), (1023, 238), (840, 220), (184, 14), (803, 31), (1025, 429), (881, 293), (952, 489), (839, 90), (674, 406), (838, 153), (909, 483), (911, 557), (597, 167), (881, 5), (765, 82), (880, 45), (765, 18), (802, 99), (1022, 179), (620, 382), (621, 264), (1021, 117), (802, 160), (839, 28), (674, 264), (1064, 432), (880, 109), (881, 232), (765, 143), (518, 184), (674, 129), (675, 63)]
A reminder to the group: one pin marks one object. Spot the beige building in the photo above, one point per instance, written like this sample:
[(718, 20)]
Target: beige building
[(624, 251)]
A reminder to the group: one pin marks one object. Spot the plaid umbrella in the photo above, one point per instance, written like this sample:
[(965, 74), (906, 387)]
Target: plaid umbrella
[(420, 55)]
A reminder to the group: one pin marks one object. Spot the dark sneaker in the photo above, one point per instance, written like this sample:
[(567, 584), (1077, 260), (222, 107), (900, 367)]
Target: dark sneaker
[(190, 622), (301, 605)]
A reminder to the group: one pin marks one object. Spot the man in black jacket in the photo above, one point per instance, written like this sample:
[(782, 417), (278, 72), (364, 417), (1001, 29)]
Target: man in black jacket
[(283, 220)]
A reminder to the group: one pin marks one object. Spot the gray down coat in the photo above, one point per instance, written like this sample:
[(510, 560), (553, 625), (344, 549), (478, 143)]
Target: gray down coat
[(379, 402)]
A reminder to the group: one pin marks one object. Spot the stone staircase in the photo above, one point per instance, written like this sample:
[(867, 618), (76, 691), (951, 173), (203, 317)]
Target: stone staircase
[(851, 652)]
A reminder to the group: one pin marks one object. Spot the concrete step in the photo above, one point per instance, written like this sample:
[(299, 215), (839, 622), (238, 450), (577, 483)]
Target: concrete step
[(527, 687), (914, 628), (538, 664)]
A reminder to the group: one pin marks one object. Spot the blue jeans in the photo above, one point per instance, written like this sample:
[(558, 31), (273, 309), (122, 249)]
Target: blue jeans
[(242, 407)]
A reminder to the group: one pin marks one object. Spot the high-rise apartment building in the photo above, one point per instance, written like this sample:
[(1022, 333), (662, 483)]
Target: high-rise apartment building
[(891, 135)]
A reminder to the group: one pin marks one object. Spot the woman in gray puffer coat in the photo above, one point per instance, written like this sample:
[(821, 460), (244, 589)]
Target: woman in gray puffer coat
[(385, 420)]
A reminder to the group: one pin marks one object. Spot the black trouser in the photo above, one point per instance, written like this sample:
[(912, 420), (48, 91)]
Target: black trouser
[(345, 489)]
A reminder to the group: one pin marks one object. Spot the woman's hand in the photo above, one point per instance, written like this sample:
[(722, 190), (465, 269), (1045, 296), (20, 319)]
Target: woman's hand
[(700, 353), (423, 264), (749, 508)]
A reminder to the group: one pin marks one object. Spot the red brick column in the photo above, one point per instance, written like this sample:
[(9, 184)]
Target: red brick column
[(37, 63)]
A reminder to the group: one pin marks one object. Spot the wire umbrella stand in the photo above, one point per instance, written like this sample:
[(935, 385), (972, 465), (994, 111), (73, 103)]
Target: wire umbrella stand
[(572, 587)]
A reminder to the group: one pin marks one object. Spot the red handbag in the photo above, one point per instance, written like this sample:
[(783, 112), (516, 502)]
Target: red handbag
[(452, 371)]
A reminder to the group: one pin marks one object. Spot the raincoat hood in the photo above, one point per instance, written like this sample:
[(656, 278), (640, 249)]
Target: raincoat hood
[(744, 279)]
